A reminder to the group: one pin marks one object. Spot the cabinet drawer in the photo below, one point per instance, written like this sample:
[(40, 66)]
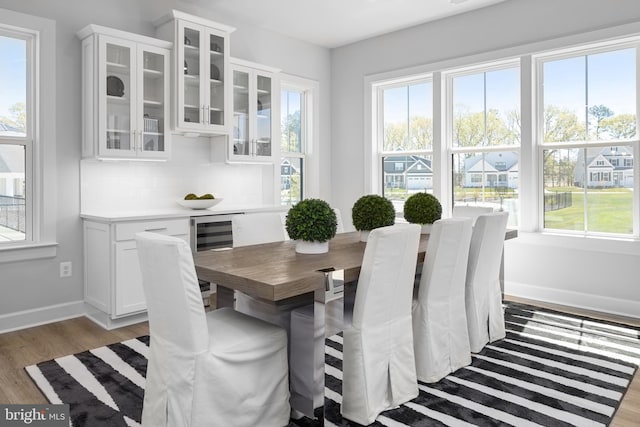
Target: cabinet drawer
[(128, 230)]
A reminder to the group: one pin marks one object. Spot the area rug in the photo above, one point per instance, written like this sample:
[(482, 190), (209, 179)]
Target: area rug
[(552, 369)]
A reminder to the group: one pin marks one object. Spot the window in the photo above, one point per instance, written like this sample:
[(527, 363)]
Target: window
[(485, 137), (576, 125), (405, 139), (292, 146), (15, 135), (587, 119), (27, 138)]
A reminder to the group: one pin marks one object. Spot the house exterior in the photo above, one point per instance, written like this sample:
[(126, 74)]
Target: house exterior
[(413, 173), (491, 170), (606, 167)]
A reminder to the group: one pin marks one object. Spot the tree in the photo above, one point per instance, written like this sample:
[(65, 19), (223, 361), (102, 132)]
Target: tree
[(418, 136), (291, 133), (562, 125), (485, 129), (18, 117), (621, 126), (598, 113)]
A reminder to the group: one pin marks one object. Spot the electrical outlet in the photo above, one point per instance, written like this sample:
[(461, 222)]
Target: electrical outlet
[(66, 269)]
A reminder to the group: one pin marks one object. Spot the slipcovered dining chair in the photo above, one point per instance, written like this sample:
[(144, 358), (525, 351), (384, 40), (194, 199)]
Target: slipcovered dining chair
[(485, 318), (440, 338), (219, 368), (473, 212), (378, 360)]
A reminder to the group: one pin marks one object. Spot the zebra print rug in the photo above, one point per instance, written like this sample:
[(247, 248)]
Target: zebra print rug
[(552, 369)]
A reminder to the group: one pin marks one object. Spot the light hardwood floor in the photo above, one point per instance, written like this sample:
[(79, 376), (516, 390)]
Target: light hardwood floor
[(28, 346)]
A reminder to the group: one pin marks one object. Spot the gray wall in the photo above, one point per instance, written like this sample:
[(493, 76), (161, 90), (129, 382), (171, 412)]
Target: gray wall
[(553, 269), (32, 287)]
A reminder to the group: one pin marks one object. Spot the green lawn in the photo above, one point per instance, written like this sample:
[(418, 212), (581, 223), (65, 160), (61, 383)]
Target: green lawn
[(608, 210)]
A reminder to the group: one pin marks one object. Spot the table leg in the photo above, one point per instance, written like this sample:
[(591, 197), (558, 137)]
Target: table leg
[(225, 297)]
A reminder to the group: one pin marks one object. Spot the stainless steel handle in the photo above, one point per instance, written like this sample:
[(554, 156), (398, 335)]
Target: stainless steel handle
[(208, 115)]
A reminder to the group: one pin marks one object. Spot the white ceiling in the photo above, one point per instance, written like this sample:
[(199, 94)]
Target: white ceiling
[(333, 23)]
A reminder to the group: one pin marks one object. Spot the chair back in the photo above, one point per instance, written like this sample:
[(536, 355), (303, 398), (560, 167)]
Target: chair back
[(174, 302), (473, 212), (485, 252), (385, 285), (257, 228), (483, 299), (445, 265)]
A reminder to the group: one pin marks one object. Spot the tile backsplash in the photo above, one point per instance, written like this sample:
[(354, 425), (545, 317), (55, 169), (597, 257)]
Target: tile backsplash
[(114, 186)]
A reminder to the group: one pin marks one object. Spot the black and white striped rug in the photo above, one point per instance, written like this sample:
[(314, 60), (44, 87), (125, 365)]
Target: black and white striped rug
[(552, 369)]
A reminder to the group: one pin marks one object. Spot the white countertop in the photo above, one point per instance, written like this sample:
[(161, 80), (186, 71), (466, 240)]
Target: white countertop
[(178, 212)]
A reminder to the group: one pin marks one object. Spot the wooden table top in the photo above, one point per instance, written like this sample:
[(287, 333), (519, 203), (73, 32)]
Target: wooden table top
[(274, 271)]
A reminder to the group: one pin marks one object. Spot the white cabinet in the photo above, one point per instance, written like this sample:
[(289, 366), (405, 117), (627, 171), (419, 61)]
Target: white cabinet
[(112, 278), (255, 112), (126, 95), (201, 62)]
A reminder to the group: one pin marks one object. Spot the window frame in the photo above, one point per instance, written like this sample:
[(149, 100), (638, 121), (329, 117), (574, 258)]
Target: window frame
[(309, 121), (529, 173), (539, 145), (378, 89), (40, 156)]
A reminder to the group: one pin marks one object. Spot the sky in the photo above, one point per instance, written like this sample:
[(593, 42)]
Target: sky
[(12, 73), (610, 77)]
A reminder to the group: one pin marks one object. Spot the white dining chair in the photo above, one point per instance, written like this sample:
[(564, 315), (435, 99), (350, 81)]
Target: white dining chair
[(485, 318), (473, 212), (378, 360), (440, 337), (219, 368)]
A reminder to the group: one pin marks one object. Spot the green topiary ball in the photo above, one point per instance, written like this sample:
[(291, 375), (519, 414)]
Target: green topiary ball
[(312, 220), (372, 211), (422, 208)]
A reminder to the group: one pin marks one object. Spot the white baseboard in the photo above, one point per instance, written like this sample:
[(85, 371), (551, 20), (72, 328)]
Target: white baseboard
[(620, 307), (40, 316)]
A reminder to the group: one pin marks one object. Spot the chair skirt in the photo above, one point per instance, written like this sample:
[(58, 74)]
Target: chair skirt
[(385, 376)]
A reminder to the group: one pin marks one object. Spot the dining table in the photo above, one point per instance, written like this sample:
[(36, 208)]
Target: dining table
[(276, 273)]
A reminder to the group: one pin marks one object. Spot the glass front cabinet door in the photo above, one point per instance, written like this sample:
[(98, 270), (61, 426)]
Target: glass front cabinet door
[(254, 106), (201, 66), (125, 95)]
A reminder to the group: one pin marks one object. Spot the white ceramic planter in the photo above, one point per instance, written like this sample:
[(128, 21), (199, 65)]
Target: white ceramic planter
[(364, 235), (304, 247)]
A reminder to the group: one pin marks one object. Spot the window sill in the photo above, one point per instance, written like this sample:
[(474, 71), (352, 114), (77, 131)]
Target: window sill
[(622, 246), (26, 252)]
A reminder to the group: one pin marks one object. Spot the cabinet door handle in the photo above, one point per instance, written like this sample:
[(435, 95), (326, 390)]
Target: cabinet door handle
[(141, 140), (156, 229), (208, 115)]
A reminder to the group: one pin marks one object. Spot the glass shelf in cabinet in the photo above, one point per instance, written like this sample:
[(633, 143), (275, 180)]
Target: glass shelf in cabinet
[(117, 99), (151, 73), (191, 79), (191, 50)]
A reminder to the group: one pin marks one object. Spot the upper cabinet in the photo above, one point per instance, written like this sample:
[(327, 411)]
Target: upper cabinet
[(255, 101), (202, 86), (126, 93)]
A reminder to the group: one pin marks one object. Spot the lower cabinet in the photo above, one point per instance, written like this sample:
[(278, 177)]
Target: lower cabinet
[(113, 289)]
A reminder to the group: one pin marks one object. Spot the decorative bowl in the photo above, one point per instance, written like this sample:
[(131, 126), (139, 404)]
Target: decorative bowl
[(199, 203)]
